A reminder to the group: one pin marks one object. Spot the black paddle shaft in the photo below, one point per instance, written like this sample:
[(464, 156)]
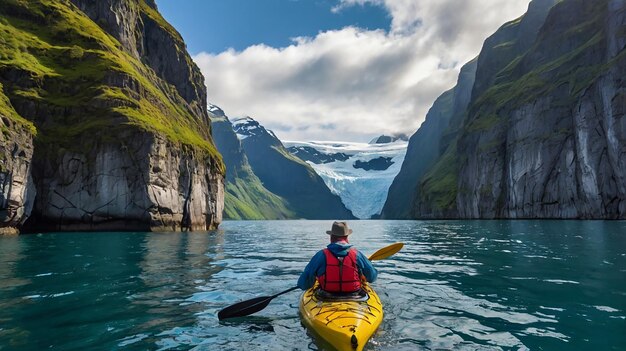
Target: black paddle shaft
[(248, 307)]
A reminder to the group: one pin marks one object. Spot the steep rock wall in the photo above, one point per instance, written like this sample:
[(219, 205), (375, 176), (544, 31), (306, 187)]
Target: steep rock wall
[(427, 145), (438, 187), (123, 138), (139, 182), (435, 195), (549, 139), (17, 190)]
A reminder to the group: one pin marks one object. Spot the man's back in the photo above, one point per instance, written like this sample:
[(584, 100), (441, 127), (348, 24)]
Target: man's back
[(340, 249)]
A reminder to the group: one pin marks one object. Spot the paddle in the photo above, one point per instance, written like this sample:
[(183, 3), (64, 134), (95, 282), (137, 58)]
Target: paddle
[(248, 307), (386, 252)]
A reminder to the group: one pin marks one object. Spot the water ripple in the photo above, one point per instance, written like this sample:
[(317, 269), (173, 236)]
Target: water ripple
[(457, 285)]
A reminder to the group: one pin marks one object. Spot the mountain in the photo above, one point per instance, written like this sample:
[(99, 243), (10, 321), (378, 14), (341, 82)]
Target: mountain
[(245, 196), (542, 134), (310, 153), (438, 194), (359, 173), (428, 144), (548, 138), (286, 175), (104, 120), (385, 139)]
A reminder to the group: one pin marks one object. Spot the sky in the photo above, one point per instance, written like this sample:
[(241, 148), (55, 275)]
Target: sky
[(345, 70)]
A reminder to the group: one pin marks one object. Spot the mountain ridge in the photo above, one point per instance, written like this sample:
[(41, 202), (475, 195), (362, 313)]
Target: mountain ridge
[(245, 196), (292, 182)]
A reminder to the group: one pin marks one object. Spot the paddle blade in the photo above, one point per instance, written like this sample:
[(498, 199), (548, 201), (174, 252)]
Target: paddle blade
[(386, 251), (245, 308)]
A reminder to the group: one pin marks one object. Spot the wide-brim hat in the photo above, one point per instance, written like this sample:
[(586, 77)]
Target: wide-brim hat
[(339, 229)]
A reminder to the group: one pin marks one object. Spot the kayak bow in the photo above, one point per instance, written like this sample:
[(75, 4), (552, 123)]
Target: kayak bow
[(346, 325)]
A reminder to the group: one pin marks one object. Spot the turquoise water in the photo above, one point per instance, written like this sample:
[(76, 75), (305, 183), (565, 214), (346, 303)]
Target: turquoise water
[(461, 285)]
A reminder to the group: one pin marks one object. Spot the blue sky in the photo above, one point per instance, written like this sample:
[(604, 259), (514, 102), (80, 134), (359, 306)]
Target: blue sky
[(343, 70), (216, 25)]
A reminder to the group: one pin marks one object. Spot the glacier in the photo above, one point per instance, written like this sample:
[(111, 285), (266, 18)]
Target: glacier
[(359, 173)]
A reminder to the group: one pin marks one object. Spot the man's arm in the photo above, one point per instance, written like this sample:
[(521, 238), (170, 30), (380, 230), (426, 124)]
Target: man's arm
[(367, 269), (312, 270)]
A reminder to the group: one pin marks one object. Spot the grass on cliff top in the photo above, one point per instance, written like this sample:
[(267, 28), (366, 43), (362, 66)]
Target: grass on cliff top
[(69, 66)]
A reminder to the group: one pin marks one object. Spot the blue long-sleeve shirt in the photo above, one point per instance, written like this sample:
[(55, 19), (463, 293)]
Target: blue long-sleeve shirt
[(317, 265)]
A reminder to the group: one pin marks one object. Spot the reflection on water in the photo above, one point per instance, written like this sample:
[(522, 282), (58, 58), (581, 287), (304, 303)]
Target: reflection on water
[(10, 254), (175, 268), (461, 285)]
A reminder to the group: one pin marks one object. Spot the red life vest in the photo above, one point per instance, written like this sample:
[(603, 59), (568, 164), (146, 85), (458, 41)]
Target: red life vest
[(342, 274)]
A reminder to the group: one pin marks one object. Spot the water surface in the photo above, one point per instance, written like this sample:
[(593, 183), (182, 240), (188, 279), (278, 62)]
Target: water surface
[(457, 285)]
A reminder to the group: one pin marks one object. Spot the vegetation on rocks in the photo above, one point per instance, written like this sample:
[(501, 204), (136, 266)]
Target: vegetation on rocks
[(7, 111), (246, 198), (439, 185), (117, 108), (540, 137), (68, 76)]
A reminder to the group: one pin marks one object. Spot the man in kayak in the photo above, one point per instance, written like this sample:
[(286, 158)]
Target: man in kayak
[(339, 267)]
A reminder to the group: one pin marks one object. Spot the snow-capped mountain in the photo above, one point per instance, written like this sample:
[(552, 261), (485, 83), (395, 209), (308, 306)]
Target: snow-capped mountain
[(245, 197), (215, 110), (286, 175), (385, 139), (247, 126), (359, 173)]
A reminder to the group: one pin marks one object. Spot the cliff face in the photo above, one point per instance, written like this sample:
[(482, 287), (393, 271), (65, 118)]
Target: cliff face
[(123, 138), (245, 196), (508, 43), (143, 182), (17, 191), (548, 140), (439, 188), (428, 144), (542, 134), (286, 175)]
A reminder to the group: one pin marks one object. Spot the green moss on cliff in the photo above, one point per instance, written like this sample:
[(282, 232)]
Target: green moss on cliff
[(246, 198), (483, 123), (58, 58), (7, 111), (513, 90), (156, 17), (439, 186)]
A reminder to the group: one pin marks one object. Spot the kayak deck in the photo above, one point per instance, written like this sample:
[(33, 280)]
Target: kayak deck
[(346, 325)]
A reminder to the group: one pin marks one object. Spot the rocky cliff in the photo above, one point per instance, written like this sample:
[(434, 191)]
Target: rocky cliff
[(122, 138), (245, 196), (439, 188), (17, 192), (542, 133), (548, 139), (286, 175), (427, 146)]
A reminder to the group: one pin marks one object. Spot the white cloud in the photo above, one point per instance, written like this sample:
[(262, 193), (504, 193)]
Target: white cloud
[(353, 84)]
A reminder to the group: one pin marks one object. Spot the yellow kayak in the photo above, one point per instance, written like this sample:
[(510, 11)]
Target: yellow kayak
[(347, 325)]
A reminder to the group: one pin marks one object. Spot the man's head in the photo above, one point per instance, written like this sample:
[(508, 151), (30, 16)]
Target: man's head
[(339, 232)]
